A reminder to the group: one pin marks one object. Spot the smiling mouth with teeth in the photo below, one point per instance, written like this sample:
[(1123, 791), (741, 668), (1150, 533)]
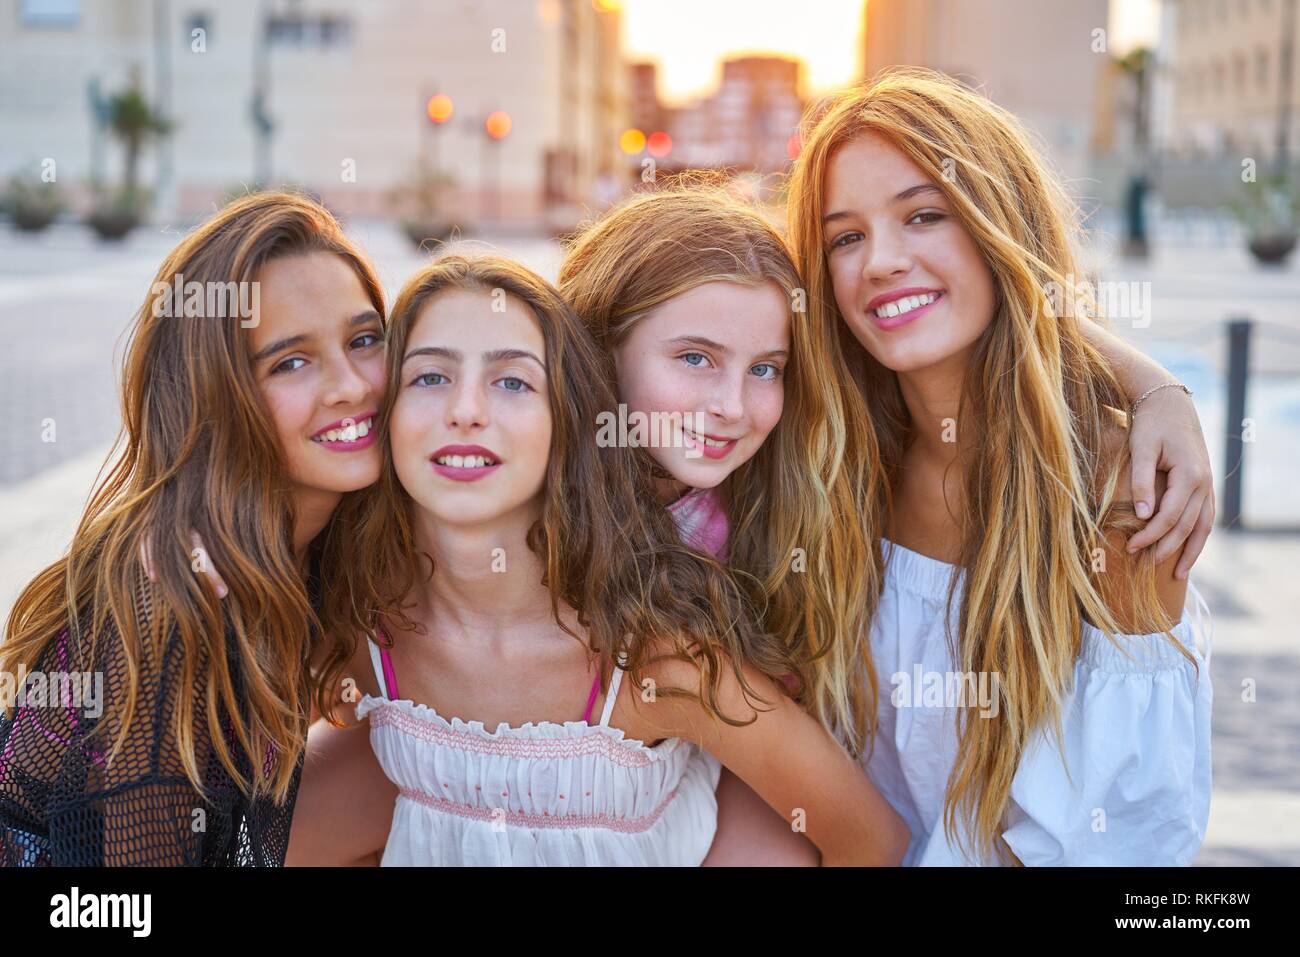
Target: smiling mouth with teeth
[(351, 433), (906, 304), (715, 443), (466, 461)]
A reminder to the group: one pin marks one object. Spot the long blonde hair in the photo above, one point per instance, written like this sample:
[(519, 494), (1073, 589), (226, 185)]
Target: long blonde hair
[(1040, 489), (805, 488), (198, 452)]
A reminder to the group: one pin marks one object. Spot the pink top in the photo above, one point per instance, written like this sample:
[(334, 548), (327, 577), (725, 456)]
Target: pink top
[(702, 520)]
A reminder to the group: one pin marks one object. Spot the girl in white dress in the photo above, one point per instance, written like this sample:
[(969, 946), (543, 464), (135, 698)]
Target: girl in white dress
[(516, 562), (1043, 699)]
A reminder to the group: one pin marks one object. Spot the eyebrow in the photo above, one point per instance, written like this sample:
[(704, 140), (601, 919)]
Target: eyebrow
[(288, 343), (700, 341), (908, 193), (455, 355)]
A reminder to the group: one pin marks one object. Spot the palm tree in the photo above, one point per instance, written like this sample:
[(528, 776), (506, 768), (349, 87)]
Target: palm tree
[(133, 121)]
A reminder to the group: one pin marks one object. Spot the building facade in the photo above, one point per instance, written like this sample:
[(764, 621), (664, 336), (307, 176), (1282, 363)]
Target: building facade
[(326, 95)]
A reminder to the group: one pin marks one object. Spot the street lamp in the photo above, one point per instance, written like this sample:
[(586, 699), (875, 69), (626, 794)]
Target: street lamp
[(497, 126)]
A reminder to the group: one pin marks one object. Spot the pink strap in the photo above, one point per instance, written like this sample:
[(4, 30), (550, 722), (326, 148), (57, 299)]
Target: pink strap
[(390, 676), (591, 698)]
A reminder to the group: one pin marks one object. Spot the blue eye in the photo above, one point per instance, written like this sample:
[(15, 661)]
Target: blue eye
[(523, 386), (420, 379), (283, 366), (687, 356), (771, 374)]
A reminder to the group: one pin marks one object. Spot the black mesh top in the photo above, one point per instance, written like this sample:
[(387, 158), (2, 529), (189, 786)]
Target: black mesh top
[(62, 803)]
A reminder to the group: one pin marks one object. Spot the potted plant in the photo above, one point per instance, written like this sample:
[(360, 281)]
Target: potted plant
[(33, 206), (418, 207), (1270, 215), (133, 122)]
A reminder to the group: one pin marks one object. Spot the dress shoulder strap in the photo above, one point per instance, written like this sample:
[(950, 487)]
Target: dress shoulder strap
[(383, 666), (612, 696)]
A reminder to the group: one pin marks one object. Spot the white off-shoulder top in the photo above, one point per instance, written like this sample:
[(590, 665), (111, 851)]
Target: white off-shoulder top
[(1132, 786)]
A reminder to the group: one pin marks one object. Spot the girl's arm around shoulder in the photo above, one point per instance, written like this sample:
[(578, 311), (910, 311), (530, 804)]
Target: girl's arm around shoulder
[(784, 754)]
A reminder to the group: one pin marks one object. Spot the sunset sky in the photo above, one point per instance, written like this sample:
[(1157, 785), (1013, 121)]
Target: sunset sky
[(690, 37)]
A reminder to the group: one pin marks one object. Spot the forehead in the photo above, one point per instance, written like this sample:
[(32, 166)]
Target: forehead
[(307, 292), (721, 308), (870, 170), (474, 320)]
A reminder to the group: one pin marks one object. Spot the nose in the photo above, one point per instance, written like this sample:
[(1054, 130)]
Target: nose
[(467, 405), (727, 402), (345, 384), (887, 256)]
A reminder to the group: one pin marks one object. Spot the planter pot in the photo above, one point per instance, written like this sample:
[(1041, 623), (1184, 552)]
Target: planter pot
[(112, 224), (1272, 250), (32, 219)]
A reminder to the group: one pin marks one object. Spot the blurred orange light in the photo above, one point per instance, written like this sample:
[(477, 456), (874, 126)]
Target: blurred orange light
[(660, 144), (498, 124), (793, 146), (632, 141), (439, 108), (608, 6)]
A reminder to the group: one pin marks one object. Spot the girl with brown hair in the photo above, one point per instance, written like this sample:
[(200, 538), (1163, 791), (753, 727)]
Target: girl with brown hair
[(248, 428)]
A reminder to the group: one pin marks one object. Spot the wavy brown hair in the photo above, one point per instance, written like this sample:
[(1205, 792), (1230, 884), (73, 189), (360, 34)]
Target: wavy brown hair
[(805, 488), (198, 451), (598, 507), (1039, 493)]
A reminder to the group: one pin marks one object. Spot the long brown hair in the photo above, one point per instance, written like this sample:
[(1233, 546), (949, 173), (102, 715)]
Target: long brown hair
[(798, 543), (608, 552), (1039, 493), (198, 452)]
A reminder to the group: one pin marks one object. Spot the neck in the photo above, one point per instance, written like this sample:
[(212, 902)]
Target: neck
[(669, 490), (933, 397), (312, 511), (486, 580)]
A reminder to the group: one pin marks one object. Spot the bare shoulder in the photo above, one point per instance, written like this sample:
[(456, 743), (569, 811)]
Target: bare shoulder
[(356, 681)]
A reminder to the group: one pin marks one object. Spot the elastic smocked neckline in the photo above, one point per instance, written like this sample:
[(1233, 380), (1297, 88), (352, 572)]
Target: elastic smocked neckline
[(529, 729)]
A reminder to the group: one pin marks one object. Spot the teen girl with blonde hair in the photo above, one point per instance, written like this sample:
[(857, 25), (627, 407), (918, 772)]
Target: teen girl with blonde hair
[(930, 235)]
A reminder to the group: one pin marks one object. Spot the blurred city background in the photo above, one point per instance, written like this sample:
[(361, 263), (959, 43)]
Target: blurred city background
[(508, 122)]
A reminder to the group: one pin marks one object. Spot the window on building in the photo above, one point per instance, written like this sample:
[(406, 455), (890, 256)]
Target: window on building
[(306, 31), (50, 13)]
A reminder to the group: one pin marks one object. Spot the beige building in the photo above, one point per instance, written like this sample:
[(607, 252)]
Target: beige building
[(745, 124), (1224, 61), (1037, 59), (344, 86)]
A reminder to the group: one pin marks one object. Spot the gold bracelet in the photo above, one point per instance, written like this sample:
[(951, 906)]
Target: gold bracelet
[(1164, 385)]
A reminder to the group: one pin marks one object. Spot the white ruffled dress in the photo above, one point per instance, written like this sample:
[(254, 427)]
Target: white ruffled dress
[(544, 794), (1133, 786)]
